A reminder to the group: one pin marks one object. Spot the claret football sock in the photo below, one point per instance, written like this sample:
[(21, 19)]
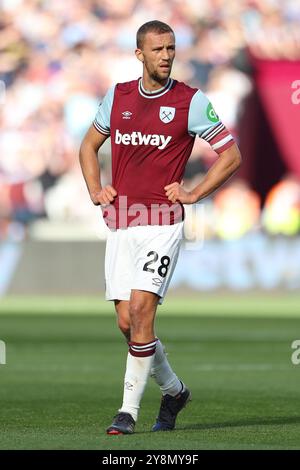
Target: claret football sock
[(139, 361), (163, 374)]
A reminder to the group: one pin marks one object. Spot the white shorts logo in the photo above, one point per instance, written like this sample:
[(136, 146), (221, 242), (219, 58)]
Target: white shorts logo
[(166, 114)]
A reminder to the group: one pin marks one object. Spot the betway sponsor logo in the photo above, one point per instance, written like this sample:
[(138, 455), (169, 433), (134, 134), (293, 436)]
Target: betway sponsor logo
[(137, 138)]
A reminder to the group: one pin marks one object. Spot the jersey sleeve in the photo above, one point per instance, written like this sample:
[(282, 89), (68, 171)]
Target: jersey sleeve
[(204, 121), (102, 119)]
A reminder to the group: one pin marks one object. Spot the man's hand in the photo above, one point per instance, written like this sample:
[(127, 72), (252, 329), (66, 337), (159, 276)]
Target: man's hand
[(228, 162), (176, 193), (103, 197)]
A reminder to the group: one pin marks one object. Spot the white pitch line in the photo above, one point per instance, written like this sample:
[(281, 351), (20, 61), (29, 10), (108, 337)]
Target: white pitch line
[(242, 367)]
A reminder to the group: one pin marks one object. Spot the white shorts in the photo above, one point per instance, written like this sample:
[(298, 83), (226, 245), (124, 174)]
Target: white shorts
[(142, 258)]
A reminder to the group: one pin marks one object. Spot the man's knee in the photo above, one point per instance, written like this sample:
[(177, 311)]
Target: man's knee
[(141, 316)]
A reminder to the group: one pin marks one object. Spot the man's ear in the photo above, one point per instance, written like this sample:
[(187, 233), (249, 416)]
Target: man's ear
[(139, 55)]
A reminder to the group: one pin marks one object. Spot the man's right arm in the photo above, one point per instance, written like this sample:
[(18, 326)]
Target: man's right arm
[(88, 157)]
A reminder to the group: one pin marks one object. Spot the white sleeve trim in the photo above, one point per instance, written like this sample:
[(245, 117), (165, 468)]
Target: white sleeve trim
[(100, 128), (222, 142)]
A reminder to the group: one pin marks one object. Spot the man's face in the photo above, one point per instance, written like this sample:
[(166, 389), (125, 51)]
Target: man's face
[(157, 53)]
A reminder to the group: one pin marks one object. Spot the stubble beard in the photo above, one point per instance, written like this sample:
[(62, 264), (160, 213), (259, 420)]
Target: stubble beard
[(158, 78)]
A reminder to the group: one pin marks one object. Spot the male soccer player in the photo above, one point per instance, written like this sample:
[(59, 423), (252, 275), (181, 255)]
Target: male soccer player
[(152, 123)]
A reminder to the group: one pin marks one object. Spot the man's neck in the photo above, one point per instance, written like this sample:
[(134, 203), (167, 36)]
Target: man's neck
[(149, 84)]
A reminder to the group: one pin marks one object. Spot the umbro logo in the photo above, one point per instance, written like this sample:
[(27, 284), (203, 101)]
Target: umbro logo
[(128, 386), (127, 114)]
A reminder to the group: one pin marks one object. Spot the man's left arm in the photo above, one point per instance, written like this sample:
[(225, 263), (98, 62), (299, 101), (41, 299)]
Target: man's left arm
[(224, 167)]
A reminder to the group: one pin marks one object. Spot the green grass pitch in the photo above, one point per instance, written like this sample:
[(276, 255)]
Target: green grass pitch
[(62, 382)]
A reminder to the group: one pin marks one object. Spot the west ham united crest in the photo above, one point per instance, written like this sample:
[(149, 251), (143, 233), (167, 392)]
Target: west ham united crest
[(166, 114)]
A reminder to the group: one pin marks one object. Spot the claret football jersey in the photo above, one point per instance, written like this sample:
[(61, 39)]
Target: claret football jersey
[(152, 136)]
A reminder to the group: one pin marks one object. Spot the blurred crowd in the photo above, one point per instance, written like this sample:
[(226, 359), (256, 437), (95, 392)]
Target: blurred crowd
[(236, 210), (58, 58)]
